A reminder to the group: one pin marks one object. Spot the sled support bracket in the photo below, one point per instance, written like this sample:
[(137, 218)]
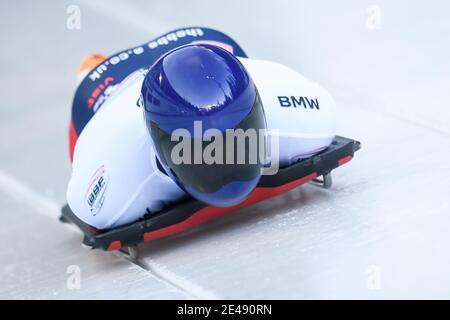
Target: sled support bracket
[(325, 182), (129, 252)]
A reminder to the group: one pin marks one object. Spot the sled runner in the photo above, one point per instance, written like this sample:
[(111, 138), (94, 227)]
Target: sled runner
[(190, 212)]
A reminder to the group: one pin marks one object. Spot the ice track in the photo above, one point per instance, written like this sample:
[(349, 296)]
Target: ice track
[(382, 231)]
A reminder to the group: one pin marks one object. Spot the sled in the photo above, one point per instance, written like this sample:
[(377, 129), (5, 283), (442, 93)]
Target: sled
[(189, 213)]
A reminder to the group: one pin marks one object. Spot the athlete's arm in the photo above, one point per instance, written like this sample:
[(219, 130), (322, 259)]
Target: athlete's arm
[(298, 111), (115, 179)]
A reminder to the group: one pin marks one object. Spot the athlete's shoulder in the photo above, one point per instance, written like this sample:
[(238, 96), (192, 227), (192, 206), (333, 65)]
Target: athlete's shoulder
[(300, 112), (103, 155)]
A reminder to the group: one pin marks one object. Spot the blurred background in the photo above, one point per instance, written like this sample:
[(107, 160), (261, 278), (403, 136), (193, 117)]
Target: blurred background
[(382, 231)]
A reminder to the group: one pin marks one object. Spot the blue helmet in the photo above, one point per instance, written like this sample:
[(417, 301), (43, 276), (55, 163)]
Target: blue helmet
[(193, 97)]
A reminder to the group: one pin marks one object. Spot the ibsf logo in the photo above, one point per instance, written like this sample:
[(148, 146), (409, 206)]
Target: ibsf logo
[(300, 101), (95, 194)]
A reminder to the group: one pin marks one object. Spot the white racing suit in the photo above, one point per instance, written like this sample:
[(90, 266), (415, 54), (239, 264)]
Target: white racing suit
[(115, 175)]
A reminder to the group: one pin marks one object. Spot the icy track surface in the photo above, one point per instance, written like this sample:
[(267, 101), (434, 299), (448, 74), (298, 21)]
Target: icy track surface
[(382, 231)]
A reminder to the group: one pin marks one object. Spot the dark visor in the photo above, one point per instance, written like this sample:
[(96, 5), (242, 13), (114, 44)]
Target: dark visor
[(245, 158)]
